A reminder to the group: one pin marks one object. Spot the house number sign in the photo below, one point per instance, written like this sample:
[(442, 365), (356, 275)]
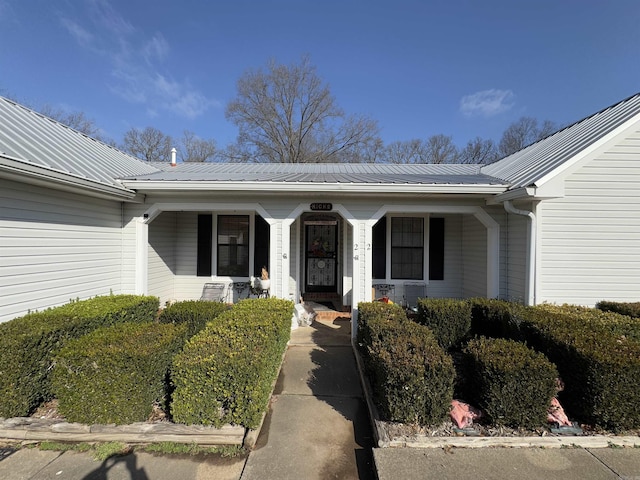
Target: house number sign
[(324, 207)]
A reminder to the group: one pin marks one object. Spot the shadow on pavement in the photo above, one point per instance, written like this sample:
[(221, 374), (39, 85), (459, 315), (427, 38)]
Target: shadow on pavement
[(335, 381), (130, 461)]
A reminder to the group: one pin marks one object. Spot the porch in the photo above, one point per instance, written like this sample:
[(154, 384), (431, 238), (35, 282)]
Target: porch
[(334, 258)]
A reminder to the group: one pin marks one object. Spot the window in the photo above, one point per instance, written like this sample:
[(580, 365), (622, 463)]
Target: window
[(436, 249), (407, 248), (233, 245), (205, 224)]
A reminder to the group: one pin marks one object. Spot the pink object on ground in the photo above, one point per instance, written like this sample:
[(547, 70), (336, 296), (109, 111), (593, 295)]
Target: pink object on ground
[(463, 414), (556, 414)]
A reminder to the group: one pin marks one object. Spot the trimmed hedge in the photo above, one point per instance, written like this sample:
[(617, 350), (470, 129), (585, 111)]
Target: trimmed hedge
[(511, 383), (598, 362), (412, 376), (629, 309), (495, 318), (449, 319), (194, 313), (28, 344), (115, 374), (225, 373)]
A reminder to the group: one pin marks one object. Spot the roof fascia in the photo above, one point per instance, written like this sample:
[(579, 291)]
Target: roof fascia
[(170, 186), (15, 169)]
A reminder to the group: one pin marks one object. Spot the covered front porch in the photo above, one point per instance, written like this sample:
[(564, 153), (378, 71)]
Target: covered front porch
[(342, 249)]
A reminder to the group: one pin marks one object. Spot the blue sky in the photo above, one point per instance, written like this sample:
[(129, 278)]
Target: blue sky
[(420, 68)]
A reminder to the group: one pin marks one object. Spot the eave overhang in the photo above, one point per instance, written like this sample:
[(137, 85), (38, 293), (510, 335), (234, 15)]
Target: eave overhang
[(19, 170), (144, 186)]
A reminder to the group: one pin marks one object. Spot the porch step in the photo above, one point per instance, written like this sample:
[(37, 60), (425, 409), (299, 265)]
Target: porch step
[(325, 313)]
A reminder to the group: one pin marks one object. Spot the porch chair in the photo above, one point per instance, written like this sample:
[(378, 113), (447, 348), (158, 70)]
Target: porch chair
[(385, 290), (412, 292), (213, 292)]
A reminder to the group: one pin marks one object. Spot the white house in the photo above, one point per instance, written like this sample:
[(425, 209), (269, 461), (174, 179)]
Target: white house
[(558, 221)]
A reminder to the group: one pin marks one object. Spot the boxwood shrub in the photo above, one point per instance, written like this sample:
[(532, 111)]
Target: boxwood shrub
[(28, 344), (511, 383), (598, 360), (411, 375), (495, 318), (630, 309), (194, 313), (225, 372), (449, 319), (115, 374)]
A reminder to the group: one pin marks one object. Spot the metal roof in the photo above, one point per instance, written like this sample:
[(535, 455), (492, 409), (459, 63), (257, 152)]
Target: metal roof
[(532, 164), (338, 173), (36, 140)]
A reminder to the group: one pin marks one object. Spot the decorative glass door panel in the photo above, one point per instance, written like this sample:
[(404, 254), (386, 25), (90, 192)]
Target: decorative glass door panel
[(321, 254)]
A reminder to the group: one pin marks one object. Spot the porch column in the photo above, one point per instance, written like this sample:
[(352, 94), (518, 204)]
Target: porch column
[(142, 256), (362, 268), (493, 252)]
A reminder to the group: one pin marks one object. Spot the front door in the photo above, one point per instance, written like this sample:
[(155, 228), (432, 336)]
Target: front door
[(321, 239)]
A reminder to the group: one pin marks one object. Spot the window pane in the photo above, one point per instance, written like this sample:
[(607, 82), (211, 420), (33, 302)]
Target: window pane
[(233, 245), (407, 248)]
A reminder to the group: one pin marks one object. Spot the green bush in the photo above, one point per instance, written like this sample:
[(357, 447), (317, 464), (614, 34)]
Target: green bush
[(629, 309), (599, 364), (28, 344), (511, 383), (194, 313), (225, 373), (495, 318), (449, 319), (411, 375), (115, 374)]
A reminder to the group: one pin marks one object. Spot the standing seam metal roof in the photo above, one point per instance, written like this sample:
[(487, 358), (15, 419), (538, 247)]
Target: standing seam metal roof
[(527, 166), (38, 140)]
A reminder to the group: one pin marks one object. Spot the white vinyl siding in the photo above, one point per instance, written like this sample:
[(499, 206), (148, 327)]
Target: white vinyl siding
[(54, 247), (474, 257), (590, 239), (162, 256), (515, 257)]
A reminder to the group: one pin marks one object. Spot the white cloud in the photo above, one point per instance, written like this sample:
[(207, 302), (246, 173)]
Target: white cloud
[(136, 62), (82, 36), (156, 49), (487, 103)]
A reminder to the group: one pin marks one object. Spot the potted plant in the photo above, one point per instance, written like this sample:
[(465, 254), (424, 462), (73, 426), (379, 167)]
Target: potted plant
[(265, 283)]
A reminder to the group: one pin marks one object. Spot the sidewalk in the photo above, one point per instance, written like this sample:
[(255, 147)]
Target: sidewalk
[(318, 426)]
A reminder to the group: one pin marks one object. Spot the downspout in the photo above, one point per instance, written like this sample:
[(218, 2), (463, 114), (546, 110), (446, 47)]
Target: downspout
[(531, 257)]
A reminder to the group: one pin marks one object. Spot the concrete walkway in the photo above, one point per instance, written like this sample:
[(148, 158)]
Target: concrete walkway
[(317, 426)]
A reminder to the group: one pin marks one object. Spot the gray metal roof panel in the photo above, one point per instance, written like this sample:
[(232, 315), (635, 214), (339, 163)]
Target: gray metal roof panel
[(527, 166), (31, 137), (323, 173)]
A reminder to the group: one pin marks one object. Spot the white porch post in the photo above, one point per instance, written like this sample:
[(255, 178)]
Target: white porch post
[(493, 252), (362, 266), (142, 256)]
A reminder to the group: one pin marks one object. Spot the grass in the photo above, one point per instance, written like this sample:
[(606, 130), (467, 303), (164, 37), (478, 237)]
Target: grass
[(102, 451)]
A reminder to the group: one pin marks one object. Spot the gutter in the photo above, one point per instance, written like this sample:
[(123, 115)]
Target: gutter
[(531, 257), (305, 187)]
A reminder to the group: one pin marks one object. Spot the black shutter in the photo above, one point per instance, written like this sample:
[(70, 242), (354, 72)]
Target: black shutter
[(205, 232), (379, 248), (261, 252), (436, 249)]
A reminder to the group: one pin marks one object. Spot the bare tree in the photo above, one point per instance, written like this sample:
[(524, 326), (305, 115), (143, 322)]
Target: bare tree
[(479, 151), (149, 144), (522, 133), (441, 149), (407, 151), (286, 114), (195, 149)]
